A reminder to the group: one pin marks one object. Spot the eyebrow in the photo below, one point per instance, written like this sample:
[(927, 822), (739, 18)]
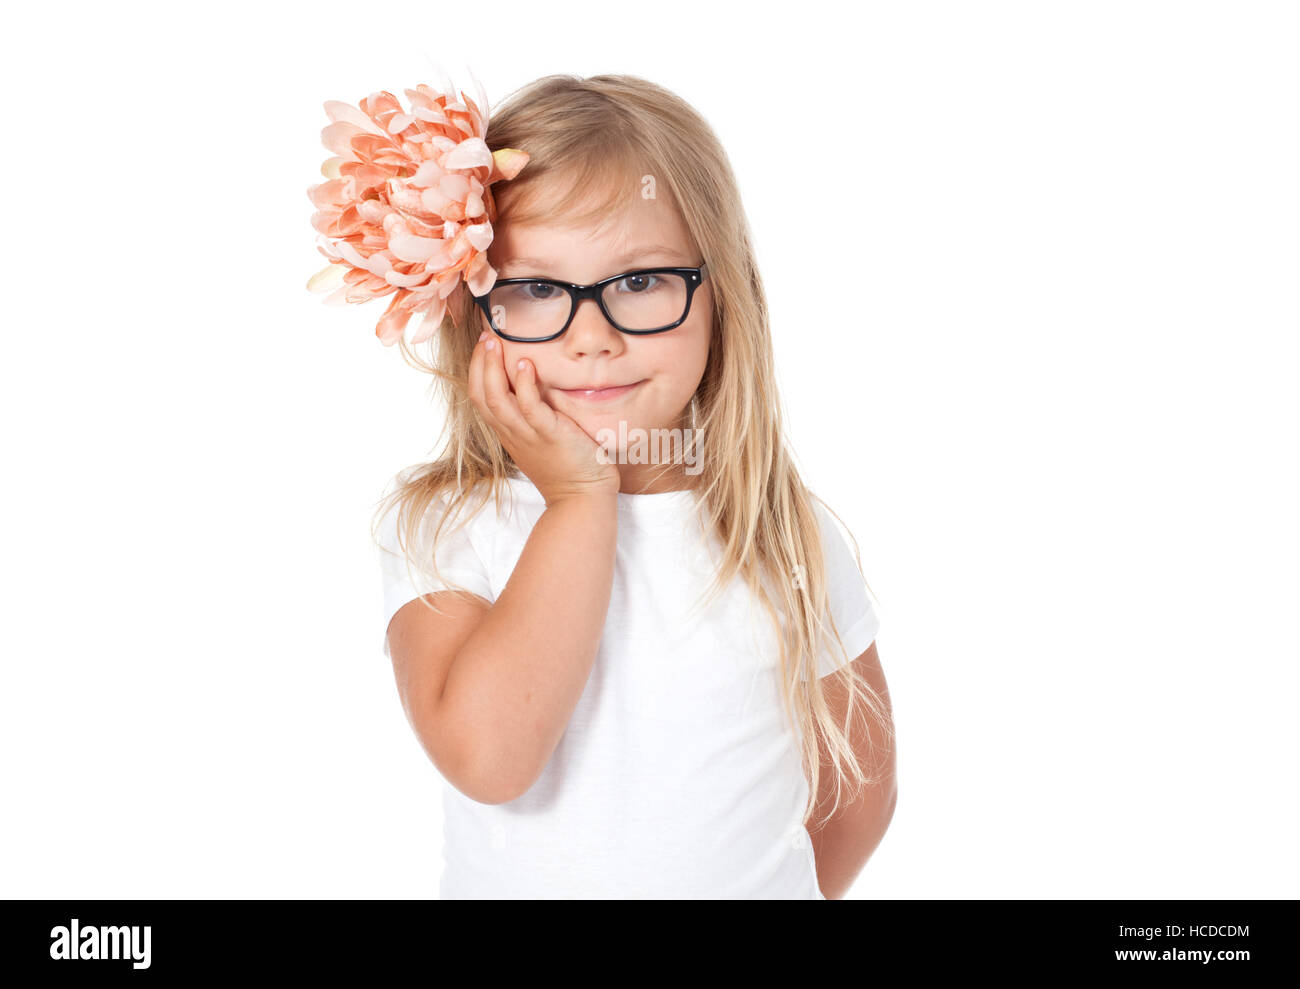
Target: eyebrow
[(542, 265)]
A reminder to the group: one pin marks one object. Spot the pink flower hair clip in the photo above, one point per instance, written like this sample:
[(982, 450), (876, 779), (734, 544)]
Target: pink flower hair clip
[(407, 209)]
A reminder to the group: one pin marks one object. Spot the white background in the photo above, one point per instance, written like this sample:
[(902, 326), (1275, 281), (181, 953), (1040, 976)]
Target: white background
[(1033, 278)]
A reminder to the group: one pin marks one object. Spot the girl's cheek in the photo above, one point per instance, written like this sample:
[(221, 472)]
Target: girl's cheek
[(509, 359)]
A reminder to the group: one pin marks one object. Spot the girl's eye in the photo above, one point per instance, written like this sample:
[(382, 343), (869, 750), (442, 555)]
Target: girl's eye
[(539, 291), (637, 284)]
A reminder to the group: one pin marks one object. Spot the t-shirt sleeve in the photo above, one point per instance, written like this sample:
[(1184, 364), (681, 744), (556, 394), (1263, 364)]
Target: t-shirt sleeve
[(459, 564), (846, 593)]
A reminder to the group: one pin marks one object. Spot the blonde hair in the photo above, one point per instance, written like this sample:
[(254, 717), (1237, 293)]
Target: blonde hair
[(601, 135)]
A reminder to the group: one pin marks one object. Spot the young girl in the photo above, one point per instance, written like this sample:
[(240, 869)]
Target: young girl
[(640, 676)]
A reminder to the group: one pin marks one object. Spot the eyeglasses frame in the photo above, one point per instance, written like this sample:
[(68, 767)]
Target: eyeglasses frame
[(694, 279)]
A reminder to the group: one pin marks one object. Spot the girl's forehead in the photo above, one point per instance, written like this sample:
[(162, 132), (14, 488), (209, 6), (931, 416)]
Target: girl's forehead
[(633, 230), (579, 258), (595, 191)]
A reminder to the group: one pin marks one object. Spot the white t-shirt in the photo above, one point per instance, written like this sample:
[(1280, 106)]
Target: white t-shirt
[(678, 776)]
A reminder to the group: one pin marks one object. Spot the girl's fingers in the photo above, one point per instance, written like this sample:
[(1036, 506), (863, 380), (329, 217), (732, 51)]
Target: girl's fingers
[(496, 390), (537, 413)]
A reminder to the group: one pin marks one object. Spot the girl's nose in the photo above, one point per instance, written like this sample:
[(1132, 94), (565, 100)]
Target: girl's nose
[(590, 332)]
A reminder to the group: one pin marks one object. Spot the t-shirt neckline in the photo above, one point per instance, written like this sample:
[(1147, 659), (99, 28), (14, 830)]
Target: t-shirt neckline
[(633, 505)]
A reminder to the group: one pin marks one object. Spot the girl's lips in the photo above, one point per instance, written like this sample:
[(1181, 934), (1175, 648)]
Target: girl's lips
[(602, 394)]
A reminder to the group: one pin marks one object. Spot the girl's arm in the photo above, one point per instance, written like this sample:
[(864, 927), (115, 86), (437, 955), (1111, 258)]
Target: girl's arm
[(512, 672), (517, 677), (843, 845)]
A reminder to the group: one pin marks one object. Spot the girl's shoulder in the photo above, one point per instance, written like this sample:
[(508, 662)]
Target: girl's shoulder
[(838, 543), (827, 518), (477, 512)]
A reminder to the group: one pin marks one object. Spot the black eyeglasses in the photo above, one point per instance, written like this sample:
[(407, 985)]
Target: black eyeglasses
[(648, 300)]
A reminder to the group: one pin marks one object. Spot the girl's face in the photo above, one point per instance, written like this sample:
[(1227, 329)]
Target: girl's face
[(665, 368)]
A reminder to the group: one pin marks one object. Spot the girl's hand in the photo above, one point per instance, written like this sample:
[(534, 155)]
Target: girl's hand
[(554, 452)]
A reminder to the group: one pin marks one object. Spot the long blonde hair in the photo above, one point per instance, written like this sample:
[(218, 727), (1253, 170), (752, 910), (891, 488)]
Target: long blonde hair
[(602, 135)]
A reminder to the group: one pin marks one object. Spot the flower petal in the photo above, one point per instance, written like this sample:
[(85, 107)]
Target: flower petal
[(506, 163), (470, 153), (481, 276), (327, 279), (428, 326), (338, 110), (390, 327), (454, 187), (427, 174), (338, 137), (479, 235)]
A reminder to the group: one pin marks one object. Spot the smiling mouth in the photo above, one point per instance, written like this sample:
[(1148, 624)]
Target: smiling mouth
[(601, 394)]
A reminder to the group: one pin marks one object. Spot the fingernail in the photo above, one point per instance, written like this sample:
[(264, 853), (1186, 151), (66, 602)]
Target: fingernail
[(482, 336), (489, 345), (520, 365)]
